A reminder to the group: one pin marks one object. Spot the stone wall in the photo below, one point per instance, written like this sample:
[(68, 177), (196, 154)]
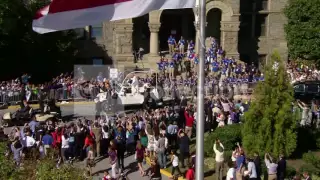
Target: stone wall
[(123, 41), (276, 34), (108, 28)]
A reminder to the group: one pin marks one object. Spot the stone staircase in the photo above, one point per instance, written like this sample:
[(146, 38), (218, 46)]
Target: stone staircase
[(147, 62)]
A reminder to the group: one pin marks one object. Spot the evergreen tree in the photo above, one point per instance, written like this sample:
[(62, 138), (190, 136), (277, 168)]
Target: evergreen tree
[(270, 125)]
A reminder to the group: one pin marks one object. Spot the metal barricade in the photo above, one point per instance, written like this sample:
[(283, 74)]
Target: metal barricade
[(89, 94)]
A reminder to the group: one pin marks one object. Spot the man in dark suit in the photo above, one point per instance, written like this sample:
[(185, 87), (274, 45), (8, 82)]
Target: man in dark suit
[(282, 166), (257, 163)]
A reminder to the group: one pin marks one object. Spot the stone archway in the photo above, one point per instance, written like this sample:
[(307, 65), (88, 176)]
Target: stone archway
[(226, 10), (176, 22), (154, 26), (214, 24), (229, 27), (141, 33)]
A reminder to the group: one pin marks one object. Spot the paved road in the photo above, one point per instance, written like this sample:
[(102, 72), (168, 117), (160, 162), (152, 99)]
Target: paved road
[(87, 111)]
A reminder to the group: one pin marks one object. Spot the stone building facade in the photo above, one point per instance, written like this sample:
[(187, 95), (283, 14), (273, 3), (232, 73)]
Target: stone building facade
[(240, 20)]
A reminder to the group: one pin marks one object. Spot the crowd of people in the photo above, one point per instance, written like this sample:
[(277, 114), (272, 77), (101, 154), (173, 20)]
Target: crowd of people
[(299, 71), (163, 135)]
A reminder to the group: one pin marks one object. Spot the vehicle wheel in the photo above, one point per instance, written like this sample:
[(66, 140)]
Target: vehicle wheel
[(5, 124), (157, 94), (105, 106)]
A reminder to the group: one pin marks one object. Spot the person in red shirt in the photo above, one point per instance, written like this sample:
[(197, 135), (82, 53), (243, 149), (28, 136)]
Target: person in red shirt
[(190, 173), (189, 121), (88, 141), (106, 176)]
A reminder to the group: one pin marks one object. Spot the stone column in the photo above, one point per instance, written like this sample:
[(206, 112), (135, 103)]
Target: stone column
[(154, 38), (123, 41), (229, 37)]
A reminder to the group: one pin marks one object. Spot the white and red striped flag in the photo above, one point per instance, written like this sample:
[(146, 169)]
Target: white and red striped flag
[(70, 14)]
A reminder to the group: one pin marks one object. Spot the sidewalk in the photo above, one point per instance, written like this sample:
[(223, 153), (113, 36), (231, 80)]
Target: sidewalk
[(131, 171), (164, 172), (59, 104)]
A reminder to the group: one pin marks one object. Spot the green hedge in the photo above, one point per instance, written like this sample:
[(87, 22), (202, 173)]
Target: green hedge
[(228, 135), (41, 170), (313, 164), (8, 169)]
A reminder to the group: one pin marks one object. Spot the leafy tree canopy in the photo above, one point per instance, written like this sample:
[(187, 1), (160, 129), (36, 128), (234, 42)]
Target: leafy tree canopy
[(270, 125), (302, 29), (23, 50)]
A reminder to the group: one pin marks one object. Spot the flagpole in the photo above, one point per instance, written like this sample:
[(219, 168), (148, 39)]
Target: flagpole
[(200, 94)]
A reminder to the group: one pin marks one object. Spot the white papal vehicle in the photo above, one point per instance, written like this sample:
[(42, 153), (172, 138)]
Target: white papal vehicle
[(131, 92)]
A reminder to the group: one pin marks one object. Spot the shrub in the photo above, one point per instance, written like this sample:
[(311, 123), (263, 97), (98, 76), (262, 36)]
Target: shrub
[(40, 170), (46, 170), (310, 169), (228, 135), (8, 169), (313, 163), (270, 125), (311, 158), (290, 172)]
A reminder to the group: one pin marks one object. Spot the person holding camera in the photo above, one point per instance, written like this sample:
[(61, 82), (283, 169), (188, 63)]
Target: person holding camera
[(271, 166), (218, 149), (188, 114)]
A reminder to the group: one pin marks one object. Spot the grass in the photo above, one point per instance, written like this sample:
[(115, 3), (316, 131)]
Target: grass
[(298, 163)]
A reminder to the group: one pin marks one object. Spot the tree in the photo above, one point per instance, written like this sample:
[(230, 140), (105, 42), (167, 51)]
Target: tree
[(302, 29), (23, 50), (270, 125)]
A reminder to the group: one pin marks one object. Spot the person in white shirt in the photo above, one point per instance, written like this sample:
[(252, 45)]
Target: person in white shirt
[(175, 163), (30, 141), (231, 174), (134, 85), (64, 147), (219, 151), (251, 172)]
